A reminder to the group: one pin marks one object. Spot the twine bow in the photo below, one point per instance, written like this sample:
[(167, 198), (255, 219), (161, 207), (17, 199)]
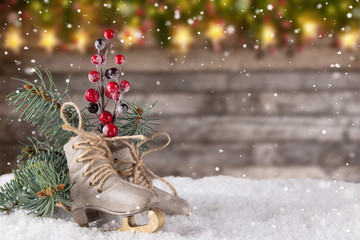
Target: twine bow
[(96, 147)]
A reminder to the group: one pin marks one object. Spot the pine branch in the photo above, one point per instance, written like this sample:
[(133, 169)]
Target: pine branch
[(136, 121), (42, 108), (43, 151), (8, 195), (43, 187)]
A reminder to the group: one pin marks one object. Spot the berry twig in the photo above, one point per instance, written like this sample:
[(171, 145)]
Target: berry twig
[(108, 85)]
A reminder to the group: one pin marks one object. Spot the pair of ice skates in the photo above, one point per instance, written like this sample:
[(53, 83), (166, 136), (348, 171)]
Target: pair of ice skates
[(110, 178)]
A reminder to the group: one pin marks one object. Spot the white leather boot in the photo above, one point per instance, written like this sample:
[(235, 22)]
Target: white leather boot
[(168, 203), (97, 187)]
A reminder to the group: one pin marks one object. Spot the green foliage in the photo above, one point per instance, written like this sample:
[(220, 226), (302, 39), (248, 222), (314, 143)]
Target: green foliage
[(41, 181), (41, 107), (248, 18), (9, 195), (43, 187), (43, 177), (136, 121), (38, 151)]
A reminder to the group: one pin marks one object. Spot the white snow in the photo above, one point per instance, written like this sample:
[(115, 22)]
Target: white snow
[(6, 178), (226, 208)]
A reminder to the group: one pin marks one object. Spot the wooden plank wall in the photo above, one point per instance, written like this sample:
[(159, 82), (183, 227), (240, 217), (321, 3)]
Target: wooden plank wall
[(227, 113)]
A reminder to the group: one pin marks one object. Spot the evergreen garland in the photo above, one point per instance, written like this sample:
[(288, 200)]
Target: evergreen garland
[(161, 18)]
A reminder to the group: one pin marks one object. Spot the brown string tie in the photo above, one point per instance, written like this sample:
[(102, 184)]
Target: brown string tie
[(139, 171), (96, 147)]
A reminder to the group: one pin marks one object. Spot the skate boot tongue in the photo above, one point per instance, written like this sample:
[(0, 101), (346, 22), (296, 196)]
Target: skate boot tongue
[(97, 154)]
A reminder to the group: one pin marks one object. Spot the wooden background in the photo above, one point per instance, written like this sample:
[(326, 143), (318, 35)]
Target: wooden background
[(228, 113)]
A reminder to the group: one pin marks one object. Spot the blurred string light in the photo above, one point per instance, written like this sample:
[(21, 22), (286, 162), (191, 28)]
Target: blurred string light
[(309, 28), (182, 38), (349, 40), (13, 39), (178, 24), (268, 36), (130, 36), (48, 40), (216, 33), (81, 41)]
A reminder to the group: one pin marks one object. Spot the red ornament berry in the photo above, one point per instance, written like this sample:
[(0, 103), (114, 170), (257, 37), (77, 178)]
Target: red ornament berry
[(112, 87), (97, 59), (113, 96), (94, 76), (110, 130), (105, 117), (109, 34), (119, 59), (92, 95), (108, 94), (124, 86)]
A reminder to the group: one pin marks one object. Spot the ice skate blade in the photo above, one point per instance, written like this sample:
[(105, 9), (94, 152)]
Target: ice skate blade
[(156, 222), (85, 215)]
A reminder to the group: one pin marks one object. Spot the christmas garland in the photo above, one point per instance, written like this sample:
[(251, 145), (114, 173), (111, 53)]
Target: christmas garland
[(257, 24)]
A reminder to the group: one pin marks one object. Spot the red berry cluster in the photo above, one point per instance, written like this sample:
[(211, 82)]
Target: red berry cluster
[(110, 83)]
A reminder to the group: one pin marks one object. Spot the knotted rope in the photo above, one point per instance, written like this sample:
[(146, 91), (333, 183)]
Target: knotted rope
[(96, 147), (139, 171)]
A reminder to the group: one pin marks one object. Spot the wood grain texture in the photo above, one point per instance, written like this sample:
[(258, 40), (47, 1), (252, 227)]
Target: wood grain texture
[(236, 113)]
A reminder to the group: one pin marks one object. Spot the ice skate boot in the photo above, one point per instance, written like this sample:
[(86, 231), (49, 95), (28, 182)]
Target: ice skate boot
[(98, 190), (127, 161)]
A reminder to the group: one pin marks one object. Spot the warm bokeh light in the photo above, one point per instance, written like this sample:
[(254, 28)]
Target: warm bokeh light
[(309, 28), (268, 35), (48, 40), (349, 40), (216, 32), (182, 38), (130, 36), (14, 40), (81, 41)]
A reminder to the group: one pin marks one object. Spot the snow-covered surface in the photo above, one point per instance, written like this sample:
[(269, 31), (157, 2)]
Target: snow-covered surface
[(5, 178), (226, 208)]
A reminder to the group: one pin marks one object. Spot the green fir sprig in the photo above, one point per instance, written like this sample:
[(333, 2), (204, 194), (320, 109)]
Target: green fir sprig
[(9, 195), (42, 151), (41, 106), (43, 187), (137, 121)]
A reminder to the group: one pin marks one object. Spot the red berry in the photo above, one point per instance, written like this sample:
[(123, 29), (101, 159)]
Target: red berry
[(108, 94), (119, 59), (113, 96), (109, 34), (112, 87), (124, 86), (105, 117), (97, 59), (94, 76), (92, 95), (110, 130)]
